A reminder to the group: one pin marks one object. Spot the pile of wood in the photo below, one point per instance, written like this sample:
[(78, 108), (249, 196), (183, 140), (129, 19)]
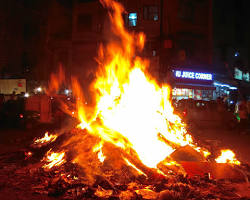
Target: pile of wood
[(71, 181)]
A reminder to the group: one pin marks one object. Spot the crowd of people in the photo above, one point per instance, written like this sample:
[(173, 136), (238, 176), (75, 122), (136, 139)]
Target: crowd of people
[(224, 111)]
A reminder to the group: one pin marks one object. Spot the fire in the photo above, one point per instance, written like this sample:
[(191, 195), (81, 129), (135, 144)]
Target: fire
[(98, 148), (130, 110), (46, 139), (101, 157), (133, 166), (227, 156), (54, 159)]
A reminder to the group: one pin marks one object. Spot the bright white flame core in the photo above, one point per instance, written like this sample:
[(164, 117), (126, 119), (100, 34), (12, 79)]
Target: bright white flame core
[(136, 115)]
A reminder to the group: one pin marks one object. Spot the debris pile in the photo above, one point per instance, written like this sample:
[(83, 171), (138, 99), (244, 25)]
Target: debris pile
[(24, 169)]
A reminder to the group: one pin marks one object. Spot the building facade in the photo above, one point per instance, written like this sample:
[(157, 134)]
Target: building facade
[(178, 35), (231, 47), (22, 38)]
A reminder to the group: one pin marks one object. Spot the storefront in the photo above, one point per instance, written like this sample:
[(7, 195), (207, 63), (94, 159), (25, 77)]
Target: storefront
[(192, 84), (225, 88)]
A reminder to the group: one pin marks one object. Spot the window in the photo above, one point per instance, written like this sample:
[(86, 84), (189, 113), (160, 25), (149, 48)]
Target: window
[(84, 22), (150, 13), (132, 19)]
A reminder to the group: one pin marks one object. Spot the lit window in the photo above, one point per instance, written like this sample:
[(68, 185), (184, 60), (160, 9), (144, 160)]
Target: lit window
[(236, 54), (132, 19)]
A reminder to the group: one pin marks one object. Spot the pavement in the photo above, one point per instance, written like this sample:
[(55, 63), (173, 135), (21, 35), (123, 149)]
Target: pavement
[(227, 139)]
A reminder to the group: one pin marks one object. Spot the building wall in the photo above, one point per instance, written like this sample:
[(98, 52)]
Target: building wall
[(231, 34), (22, 40), (180, 33)]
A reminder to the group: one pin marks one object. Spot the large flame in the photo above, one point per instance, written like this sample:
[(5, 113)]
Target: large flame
[(130, 109)]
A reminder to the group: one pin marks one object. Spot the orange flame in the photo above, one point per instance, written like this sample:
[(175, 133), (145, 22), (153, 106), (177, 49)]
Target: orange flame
[(131, 110), (46, 139), (133, 166), (98, 148), (56, 80), (54, 159), (227, 156)]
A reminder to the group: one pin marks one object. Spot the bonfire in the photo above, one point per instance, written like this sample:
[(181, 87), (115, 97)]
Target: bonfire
[(128, 143)]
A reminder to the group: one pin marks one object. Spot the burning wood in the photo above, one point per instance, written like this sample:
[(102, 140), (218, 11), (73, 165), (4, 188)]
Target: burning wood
[(227, 156), (45, 139), (125, 144), (54, 159)]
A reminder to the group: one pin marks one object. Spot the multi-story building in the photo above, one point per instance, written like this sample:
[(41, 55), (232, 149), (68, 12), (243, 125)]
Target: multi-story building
[(178, 35), (22, 38), (231, 46)]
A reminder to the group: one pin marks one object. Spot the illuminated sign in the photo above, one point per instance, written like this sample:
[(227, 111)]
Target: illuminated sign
[(193, 75)]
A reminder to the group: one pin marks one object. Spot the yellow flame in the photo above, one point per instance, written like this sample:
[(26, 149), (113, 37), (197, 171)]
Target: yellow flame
[(227, 156), (169, 163), (98, 148), (45, 139), (133, 166), (132, 110), (101, 157), (205, 152), (54, 159)]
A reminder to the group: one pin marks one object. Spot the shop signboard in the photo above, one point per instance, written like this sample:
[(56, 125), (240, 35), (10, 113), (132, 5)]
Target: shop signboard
[(193, 75)]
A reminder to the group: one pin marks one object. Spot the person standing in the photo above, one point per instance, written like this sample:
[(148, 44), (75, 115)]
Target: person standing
[(241, 109)]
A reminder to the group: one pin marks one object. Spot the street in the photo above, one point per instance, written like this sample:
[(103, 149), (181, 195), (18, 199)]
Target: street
[(15, 184), (227, 139)]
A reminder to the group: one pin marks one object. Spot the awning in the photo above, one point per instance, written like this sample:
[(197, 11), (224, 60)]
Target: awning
[(194, 86)]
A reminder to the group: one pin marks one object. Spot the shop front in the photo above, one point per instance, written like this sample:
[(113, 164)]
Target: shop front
[(192, 84)]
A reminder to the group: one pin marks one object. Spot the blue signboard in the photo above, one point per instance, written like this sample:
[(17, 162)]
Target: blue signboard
[(193, 75)]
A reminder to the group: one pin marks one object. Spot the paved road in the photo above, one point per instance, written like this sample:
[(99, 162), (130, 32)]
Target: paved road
[(12, 140), (227, 139)]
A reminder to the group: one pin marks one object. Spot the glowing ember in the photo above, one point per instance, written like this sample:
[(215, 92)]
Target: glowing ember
[(133, 166), (227, 156), (54, 159), (28, 155), (47, 138)]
